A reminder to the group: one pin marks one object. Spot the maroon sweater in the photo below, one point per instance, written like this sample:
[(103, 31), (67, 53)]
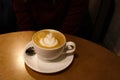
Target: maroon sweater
[(65, 15)]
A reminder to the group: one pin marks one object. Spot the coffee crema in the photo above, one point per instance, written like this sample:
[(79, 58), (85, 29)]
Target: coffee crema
[(49, 39)]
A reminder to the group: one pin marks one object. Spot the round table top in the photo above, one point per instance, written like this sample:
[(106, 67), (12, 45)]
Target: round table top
[(91, 62)]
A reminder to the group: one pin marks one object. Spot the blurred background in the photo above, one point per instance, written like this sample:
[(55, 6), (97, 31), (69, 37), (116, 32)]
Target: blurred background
[(105, 15)]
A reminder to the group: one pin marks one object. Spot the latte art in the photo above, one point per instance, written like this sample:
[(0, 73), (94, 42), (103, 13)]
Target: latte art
[(49, 41)]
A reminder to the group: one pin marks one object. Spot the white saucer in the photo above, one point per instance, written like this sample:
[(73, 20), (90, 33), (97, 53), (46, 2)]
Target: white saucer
[(41, 66)]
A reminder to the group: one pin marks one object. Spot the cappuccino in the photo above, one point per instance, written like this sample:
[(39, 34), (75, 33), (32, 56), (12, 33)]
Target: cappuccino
[(49, 39)]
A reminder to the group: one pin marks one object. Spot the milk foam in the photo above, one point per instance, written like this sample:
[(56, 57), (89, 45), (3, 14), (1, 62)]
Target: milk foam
[(49, 41)]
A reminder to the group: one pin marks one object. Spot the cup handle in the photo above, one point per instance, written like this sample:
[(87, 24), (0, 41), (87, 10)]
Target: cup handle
[(70, 47)]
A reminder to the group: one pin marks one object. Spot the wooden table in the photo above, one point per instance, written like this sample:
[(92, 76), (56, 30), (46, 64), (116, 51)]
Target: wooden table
[(92, 61)]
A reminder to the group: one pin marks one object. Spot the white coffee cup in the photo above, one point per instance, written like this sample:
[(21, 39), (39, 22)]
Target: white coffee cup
[(49, 44)]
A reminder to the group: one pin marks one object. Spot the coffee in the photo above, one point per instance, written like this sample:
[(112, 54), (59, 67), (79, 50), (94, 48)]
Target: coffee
[(49, 39), (49, 44)]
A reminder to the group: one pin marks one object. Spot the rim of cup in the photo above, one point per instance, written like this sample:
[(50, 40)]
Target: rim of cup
[(49, 30)]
